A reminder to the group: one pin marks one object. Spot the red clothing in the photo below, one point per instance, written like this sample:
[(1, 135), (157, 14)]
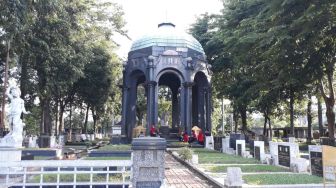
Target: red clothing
[(185, 138), (152, 131), (200, 137)]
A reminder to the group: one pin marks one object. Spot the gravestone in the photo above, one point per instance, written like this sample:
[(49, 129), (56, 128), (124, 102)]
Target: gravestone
[(32, 142), (240, 147), (251, 146), (44, 141), (259, 150), (226, 146), (218, 143), (233, 138), (148, 162), (234, 178), (273, 147), (284, 155), (209, 142), (315, 158), (257, 153)]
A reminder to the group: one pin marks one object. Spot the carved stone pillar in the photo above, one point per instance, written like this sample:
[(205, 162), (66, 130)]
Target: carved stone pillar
[(188, 106), (150, 104)]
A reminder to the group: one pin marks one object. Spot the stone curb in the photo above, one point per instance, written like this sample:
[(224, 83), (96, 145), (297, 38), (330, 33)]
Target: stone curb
[(197, 171)]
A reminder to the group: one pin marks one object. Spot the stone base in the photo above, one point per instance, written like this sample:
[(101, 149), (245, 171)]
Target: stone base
[(8, 154)]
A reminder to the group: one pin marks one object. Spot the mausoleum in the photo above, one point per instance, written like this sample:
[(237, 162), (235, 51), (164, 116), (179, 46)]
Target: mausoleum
[(173, 59)]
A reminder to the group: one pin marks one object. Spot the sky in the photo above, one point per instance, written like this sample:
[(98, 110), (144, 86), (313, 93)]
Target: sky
[(143, 16)]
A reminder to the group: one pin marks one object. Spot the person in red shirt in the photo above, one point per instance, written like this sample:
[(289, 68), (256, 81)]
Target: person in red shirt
[(152, 131), (185, 137), (200, 138)]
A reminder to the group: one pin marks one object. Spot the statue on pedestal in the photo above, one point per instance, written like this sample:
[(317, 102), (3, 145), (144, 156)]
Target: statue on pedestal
[(14, 137)]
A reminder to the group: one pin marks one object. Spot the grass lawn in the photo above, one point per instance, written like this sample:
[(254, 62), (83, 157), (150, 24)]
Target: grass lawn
[(271, 179), (121, 147), (107, 158), (42, 157), (249, 168), (50, 178), (215, 157)]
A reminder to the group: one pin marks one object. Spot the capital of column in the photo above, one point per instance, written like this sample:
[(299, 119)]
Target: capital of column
[(150, 61), (151, 83), (188, 84)]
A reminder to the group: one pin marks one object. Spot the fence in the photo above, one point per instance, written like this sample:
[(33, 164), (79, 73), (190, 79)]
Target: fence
[(65, 173)]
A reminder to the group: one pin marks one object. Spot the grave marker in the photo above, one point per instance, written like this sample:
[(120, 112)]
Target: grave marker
[(257, 153), (284, 155)]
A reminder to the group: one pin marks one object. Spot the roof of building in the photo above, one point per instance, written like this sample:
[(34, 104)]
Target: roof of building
[(167, 35)]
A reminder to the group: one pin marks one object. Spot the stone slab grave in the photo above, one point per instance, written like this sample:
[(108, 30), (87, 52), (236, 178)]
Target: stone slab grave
[(218, 143), (148, 162), (234, 137), (259, 150), (315, 158), (240, 147), (329, 162), (209, 142), (287, 153), (226, 146), (273, 158)]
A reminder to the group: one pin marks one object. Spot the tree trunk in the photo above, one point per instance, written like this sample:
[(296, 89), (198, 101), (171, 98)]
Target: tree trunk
[(2, 126), (243, 118), (270, 128), (309, 119), (61, 112), (329, 102), (86, 119), (58, 130), (265, 123), (94, 117), (46, 123), (70, 116), (235, 119), (291, 109), (319, 115)]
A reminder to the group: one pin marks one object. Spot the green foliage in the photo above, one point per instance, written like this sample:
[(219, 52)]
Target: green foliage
[(272, 179), (185, 153), (249, 168)]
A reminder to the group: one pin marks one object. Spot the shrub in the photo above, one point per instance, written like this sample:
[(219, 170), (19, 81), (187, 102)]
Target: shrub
[(185, 153)]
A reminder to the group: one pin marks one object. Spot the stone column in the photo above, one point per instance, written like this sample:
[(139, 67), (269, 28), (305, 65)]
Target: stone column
[(207, 95), (124, 108), (148, 162), (188, 106), (175, 110), (151, 105)]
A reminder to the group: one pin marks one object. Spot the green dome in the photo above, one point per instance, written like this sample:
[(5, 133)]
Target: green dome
[(167, 35)]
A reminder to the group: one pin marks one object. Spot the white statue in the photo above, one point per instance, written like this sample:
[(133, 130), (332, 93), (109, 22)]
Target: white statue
[(14, 137)]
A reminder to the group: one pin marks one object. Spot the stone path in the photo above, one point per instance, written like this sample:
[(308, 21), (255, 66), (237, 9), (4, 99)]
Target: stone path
[(178, 176)]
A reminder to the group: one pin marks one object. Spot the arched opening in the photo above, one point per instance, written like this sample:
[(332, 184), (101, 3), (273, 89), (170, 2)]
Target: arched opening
[(201, 102), (169, 102), (136, 101)]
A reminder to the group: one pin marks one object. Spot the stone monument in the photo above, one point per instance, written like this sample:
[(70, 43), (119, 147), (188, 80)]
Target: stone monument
[(148, 162)]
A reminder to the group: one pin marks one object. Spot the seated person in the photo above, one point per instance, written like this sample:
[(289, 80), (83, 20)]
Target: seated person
[(185, 137), (200, 138), (152, 131)]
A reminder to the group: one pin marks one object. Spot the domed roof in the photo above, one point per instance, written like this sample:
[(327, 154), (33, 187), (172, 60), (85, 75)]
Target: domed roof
[(167, 35)]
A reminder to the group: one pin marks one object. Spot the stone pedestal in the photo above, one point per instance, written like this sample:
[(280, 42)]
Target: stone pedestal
[(32, 142), (148, 162), (240, 147), (209, 143), (9, 154), (259, 150)]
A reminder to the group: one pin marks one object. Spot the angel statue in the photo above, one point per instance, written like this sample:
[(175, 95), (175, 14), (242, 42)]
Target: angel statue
[(14, 137)]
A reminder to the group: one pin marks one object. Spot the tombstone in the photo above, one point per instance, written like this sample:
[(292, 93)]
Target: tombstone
[(116, 130), (299, 165), (287, 152), (226, 146), (315, 158), (44, 141), (218, 143), (240, 145), (77, 137), (234, 178), (273, 147), (32, 142), (209, 142), (233, 138), (251, 146), (148, 162), (194, 159), (259, 150)]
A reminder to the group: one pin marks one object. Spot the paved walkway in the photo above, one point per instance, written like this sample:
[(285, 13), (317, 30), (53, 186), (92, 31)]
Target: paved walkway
[(178, 176)]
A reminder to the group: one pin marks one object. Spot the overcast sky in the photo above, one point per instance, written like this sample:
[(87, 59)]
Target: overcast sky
[(143, 16)]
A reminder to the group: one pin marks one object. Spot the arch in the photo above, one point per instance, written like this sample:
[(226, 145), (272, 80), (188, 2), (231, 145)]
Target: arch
[(201, 96), (172, 71)]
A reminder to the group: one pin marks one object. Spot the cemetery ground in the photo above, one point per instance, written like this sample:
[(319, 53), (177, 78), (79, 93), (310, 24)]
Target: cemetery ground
[(214, 164)]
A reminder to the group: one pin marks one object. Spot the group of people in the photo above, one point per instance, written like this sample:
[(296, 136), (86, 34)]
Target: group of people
[(199, 137)]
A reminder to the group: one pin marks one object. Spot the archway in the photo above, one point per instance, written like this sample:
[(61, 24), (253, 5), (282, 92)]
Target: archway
[(136, 78), (201, 112), (170, 81)]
